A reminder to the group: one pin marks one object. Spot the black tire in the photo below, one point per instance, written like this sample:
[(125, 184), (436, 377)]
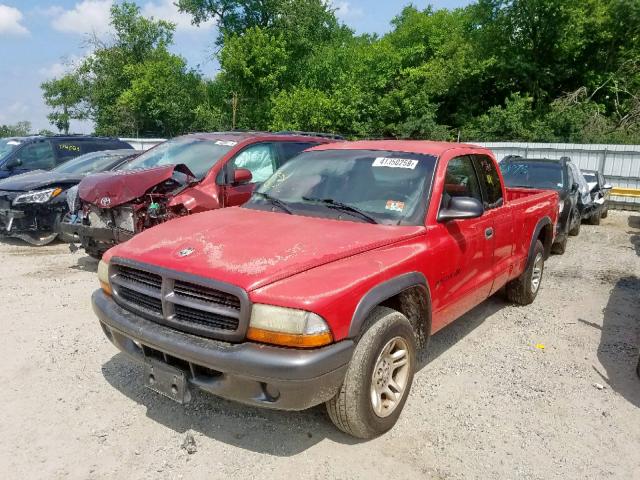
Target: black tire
[(522, 289), (605, 212), (638, 367), (558, 248), (351, 410), (575, 231), (97, 254), (595, 218)]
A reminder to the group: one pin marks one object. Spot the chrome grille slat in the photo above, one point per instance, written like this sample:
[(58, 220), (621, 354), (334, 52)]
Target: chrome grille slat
[(181, 304)]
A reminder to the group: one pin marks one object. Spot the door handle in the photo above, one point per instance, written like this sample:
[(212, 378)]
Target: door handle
[(488, 233)]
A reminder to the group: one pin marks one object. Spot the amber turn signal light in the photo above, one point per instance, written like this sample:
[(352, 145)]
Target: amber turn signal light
[(288, 339)]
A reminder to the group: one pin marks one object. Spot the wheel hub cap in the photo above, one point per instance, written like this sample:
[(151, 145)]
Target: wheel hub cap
[(390, 377)]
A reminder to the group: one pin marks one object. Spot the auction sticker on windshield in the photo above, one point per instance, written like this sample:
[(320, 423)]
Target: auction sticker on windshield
[(394, 206), (226, 143), (395, 162)]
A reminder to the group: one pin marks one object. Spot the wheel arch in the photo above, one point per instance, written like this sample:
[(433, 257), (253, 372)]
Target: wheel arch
[(407, 293), (544, 233)]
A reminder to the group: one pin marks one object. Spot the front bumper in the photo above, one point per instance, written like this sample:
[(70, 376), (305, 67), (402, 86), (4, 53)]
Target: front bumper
[(98, 239), (261, 375), (36, 219)]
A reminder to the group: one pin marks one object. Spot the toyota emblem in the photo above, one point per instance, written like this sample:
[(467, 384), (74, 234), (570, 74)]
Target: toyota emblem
[(105, 201), (185, 252)]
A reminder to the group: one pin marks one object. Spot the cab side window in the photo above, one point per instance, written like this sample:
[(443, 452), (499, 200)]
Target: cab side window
[(37, 156), (460, 180), (489, 182), (259, 159), (288, 150)]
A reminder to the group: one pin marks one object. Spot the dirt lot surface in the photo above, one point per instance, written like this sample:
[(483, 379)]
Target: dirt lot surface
[(545, 391)]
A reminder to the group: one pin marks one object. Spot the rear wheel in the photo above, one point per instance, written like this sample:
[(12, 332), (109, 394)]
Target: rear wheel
[(378, 378), (605, 212), (559, 248), (577, 222), (524, 289), (38, 239), (595, 218)]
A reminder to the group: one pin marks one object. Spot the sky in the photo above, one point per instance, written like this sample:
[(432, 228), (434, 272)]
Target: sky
[(40, 39)]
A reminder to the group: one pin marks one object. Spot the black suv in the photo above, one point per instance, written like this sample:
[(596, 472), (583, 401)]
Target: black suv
[(23, 154), (560, 175)]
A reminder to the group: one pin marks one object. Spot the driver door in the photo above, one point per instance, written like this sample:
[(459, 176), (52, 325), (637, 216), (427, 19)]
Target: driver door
[(260, 159), (465, 272)]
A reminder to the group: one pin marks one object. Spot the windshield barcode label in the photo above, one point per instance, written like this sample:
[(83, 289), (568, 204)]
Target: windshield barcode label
[(395, 162)]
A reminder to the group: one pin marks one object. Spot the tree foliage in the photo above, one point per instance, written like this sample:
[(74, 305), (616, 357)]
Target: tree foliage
[(545, 70), (20, 129)]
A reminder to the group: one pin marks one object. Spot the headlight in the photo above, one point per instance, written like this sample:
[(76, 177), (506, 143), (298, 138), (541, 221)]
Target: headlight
[(103, 277), (39, 196), (288, 327)]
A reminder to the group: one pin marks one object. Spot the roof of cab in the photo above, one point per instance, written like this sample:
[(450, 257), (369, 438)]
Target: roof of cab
[(408, 146), (240, 136)]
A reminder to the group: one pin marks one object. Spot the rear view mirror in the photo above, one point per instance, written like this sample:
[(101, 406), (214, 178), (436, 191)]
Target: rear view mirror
[(241, 175), (460, 208), (607, 186)]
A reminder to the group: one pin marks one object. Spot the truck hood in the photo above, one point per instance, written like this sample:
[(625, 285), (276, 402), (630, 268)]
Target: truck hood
[(110, 189), (253, 248), (37, 180)]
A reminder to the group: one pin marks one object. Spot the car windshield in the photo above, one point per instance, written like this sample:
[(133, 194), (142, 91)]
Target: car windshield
[(590, 177), (8, 145), (199, 155), (91, 162), (385, 187), (545, 175)]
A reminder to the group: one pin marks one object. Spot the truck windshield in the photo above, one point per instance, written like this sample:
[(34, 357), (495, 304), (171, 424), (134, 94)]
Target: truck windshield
[(199, 155), (7, 145), (372, 186), (544, 175)]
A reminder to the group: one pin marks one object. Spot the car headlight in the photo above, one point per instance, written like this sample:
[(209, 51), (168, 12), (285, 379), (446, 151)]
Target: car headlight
[(287, 326), (103, 277), (39, 196)]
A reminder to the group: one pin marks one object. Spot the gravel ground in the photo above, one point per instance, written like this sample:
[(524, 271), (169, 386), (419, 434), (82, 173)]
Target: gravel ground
[(544, 391)]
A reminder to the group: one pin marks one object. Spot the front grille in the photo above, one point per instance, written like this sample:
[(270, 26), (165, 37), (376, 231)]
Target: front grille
[(215, 311), (198, 292), (140, 277), (140, 299), (207, 319)]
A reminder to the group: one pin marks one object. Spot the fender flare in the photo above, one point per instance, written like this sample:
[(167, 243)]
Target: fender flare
[(385, 291), (542, 223)]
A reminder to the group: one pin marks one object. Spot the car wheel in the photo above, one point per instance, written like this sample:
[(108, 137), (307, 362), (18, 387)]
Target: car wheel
[(524, 289), (605, 212), (38, 239), (558, 248), (595, 218), (575, 218), (379, 377)]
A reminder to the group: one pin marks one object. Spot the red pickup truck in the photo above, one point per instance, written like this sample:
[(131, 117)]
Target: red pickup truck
[(188, 174), (323, 285)]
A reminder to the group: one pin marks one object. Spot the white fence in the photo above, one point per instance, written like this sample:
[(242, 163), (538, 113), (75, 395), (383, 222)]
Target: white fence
[(620, 164)]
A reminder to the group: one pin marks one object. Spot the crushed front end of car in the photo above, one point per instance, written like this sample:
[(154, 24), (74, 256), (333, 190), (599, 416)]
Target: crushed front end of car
[(33, 216), (99, 220)]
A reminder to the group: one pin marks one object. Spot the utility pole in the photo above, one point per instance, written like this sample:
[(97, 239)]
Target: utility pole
[(234, 109)]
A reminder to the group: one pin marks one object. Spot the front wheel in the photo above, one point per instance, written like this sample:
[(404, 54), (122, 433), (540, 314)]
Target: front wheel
[(575, 219), (37, 239), (524, 289), (379, 377)]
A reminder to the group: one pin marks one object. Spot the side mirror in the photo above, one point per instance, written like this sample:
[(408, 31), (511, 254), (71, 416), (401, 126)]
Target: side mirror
[(607, 186), (575, 187), (460, 208), (241, 175), (12, 163)]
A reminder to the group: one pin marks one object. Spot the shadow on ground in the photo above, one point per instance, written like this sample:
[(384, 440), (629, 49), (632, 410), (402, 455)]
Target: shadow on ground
[(260, 430), (620, 339), (86, 264), (634, 222)]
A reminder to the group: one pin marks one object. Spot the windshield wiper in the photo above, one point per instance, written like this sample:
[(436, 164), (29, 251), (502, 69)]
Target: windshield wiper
[(275, 201), (331, 203)]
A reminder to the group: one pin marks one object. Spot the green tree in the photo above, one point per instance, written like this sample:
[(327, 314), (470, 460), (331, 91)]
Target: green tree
[(66, 97), (20, 129)]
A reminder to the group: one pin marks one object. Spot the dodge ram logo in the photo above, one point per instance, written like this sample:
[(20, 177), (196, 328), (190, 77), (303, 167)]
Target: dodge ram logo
[(185, 252), (105, 201)]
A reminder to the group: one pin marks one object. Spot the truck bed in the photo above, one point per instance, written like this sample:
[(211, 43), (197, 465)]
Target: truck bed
[(516, 193)]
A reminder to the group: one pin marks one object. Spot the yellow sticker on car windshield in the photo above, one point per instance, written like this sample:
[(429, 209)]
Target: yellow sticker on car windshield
[(394, 206)]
